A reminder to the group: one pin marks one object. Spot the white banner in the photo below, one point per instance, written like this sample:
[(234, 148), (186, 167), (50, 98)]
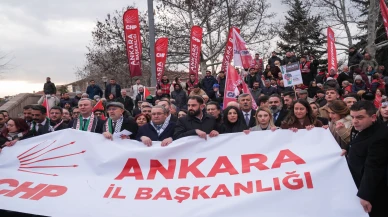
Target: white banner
[(291, 74), (271, 174)]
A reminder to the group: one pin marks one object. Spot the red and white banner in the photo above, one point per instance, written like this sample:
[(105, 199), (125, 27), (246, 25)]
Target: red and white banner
[(133, 41), (281, 173), (46, 105), (384, 14), (331, 50), (161, 48), (241, 56), (228, 53), (232, 83), (195, 50)]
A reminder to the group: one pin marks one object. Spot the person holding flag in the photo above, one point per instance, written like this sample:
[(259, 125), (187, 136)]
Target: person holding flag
[(86, 121), (117, 122)]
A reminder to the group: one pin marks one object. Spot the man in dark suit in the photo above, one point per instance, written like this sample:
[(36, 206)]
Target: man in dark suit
[(117, 122), (114, 88), (276, 107), (56, 118), (368, 158), (40, 122), (86, 121), (158, 129), (245, 101), (167, 104)]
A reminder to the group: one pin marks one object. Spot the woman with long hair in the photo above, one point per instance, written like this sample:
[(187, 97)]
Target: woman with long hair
[(264, 120), (340, 124), (233, 120), (300, 117), (382, 113), (16, 129), (315, 108), (142, 119), (379, 97), (312, 90)]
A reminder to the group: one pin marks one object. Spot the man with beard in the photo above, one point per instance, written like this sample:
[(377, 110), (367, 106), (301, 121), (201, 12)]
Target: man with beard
[(256, 91), (289, 98), (140, 96), (75, 113), (245, 101), (2, 122), (368, 158), (92, 90), (276, 107), (191, 83), (179, 96), (27, 114), (40, 124), (56, 121), (331, 95), (66, 116), (164, 86), (196, 123)]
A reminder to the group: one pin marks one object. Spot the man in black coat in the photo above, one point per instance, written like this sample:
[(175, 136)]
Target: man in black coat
[(41, 123), (368, 158), (273, 59), (276, 107), (116, 122), (196, 122), (86, 121), (345, 76), (114, 88), (56, 118), (158, 129), (49, 87), (245, 101), (126, 101)]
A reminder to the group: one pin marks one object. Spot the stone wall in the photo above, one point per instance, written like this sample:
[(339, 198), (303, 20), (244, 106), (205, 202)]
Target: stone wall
[(16, 104)]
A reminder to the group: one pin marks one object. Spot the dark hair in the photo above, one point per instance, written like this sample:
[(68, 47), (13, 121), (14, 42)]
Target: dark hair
[(112, 79), (368, 106), (214, 103), (320, 91), (20, 124), (263, 99), (27, 107), (277, 96), (291, 118), (382, 90), (369, 96), (291, 94), (183, 110), (91, 80), (331, 88), (197, 98), (2, 111), (339, 107), (40, 108), (57, 108), (163, 100), (146, 116), (239, 126), (354, 95)]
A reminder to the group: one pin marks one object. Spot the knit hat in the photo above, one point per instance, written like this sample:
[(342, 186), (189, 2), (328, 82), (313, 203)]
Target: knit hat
[(216, 86), (358, 77)]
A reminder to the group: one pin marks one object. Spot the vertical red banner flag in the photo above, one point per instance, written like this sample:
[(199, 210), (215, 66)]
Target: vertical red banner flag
[(232, 82), (384, 14), (331, 50), (195, 50), (241, 57), (161, 47), (228, 53), (133, 41), (47, 106)]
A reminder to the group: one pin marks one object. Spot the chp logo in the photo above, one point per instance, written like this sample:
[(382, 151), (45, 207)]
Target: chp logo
[(162, 47), (47, 158)]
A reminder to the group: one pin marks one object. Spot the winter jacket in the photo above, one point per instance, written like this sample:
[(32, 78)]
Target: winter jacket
[(255, 94), (342, 136), (376, 84), (272, 60), (190, 85), (314, 67), (180, 97), (165, 87), (127, 102), (49, 88), (354, 58), (93, 90), (344, 76), (207, 83), (69, 100), (358, 87), (288, 60), (320, 78), (249, 80), (221, 82), (109, 88), (365, 63), (269, 90)]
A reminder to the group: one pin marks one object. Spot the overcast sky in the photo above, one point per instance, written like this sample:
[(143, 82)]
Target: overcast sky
[(49, 38)]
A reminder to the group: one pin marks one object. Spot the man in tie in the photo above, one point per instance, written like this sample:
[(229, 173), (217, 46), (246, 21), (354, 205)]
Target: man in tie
[(276, 107), (40, 124), (245, 101), (116, 122), (56, 118), (86, 121), (158, 129)]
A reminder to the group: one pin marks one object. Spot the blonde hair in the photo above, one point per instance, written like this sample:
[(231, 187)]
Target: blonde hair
[(271, 123)]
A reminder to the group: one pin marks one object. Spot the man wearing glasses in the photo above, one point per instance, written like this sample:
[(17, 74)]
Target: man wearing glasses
[(116, 122)]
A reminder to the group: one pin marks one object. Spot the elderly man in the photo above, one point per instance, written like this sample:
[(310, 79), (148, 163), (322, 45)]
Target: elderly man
[(245, 101), (158, 129), (126, 101), (167, 104), (345, 75), (116, 122), (87, 121)]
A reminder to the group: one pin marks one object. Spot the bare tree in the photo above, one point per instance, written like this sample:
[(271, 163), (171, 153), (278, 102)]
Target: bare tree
[(5, 61)]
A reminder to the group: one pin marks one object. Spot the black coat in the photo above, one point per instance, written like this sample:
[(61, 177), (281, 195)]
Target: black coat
[(128, 124), (49, 88), (252, 119), (187, 125), (62, 126), (108, 91), (344, 77), (127, 102), (97, 127), (282, 115), (368, 160), (149, 131)]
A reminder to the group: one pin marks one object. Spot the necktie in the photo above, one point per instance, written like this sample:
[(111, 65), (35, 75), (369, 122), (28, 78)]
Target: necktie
[(247, 118), (84, 124), (275, 116), (114, 125), (40, 128), (158, 127)]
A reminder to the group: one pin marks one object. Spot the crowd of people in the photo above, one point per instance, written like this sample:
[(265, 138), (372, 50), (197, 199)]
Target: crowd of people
[(352, 105)]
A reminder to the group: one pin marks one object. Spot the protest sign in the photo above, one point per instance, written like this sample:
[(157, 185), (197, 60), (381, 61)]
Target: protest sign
[(291, 74), (272, 174)]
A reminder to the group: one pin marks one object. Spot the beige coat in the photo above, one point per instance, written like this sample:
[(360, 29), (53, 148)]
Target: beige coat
[(342, 136)]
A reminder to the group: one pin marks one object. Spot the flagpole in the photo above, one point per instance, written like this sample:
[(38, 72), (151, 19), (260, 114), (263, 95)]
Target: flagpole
[(151, 28)]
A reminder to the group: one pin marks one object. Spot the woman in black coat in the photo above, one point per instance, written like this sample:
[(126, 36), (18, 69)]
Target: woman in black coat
[(233, 120)]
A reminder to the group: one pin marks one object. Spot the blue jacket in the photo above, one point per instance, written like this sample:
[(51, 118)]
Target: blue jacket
[(149, 131), (93, 90)]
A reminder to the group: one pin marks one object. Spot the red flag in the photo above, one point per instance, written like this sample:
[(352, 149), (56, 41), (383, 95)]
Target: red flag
[(195, 50), (47, 106), (99, 106), (161, 47), (384, 13), (246, 90), (232, 82), (331, 50), (228, 53), (241, 57), (133, 41), (146, 93)]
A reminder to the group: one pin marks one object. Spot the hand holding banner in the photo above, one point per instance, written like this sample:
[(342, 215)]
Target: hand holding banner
[(133, 41)]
